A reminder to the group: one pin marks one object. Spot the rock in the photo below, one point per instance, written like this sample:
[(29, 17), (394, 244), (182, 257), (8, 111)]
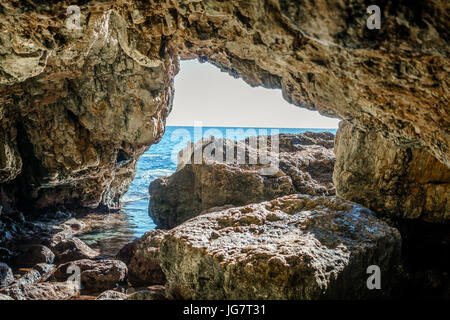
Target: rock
[(95, 275), (73, 249), (40, 273), (36, 254), (66, 142), (5, 297), (75, 224), (407, 183), (45, 270), (304, 164), (41, 291), (146, 295), (6, 275), (30, 277), (142, 259), (112, 295), (294, 247)]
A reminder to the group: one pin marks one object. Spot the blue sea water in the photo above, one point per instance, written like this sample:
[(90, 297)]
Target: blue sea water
[(158, 161)]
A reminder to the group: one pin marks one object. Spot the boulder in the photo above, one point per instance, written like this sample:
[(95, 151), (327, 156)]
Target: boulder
[(6, 275), (294, 247), (95, 275), (142, 259), (73, 249), (45, 270), (304, 164), (112, 295), (146, 295), (76, 225), (36, 254), (40, 273), (398, 181), (41, 291)]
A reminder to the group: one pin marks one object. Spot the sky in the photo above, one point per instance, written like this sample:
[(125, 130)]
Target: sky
[(204, 93)]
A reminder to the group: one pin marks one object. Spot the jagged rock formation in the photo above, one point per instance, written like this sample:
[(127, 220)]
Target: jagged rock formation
[(79, 106), (294, 247), (241, 172), (402, 182)]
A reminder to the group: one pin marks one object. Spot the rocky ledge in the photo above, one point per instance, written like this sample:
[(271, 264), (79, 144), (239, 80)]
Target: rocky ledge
[(53, 264), (302, 163), (294, 247)]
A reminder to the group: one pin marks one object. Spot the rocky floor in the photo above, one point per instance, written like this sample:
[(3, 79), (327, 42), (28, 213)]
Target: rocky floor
[(278, 244)]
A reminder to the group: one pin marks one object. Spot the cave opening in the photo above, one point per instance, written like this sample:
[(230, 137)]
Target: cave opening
[(210, 102)]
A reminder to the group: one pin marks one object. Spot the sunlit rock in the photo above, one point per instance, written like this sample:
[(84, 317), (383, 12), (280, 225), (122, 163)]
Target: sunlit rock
[(257, 170), (294, 247)]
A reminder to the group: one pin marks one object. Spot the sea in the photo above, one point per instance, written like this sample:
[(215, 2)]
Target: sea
[(160, 161)]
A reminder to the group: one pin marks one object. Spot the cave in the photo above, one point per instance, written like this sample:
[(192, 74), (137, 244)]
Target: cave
[(84, 93)]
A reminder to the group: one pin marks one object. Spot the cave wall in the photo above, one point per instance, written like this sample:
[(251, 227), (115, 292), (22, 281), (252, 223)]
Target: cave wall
[(78, 107), (398, 182)]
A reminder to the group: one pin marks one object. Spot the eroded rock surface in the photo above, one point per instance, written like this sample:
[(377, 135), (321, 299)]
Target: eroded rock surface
[(41, 291), (142, 259), (401, 182), (34, 255), (79, 106), (294, 247), (239, 172), (96, 275), (73, 249), (112, 295)]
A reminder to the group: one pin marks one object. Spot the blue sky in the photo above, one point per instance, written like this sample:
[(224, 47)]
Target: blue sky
[(204, 93)]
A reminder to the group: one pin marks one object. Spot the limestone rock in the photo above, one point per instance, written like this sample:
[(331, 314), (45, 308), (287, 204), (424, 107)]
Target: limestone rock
[(304, 164), (112, 295), (5, 297), (401, 182), (6, 275), (294, 247), (30, 277), (146, 295), (96, 275), (36, 254), (45, 270), (142, 259), (40, 273), (41, 291), (73, 249)]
